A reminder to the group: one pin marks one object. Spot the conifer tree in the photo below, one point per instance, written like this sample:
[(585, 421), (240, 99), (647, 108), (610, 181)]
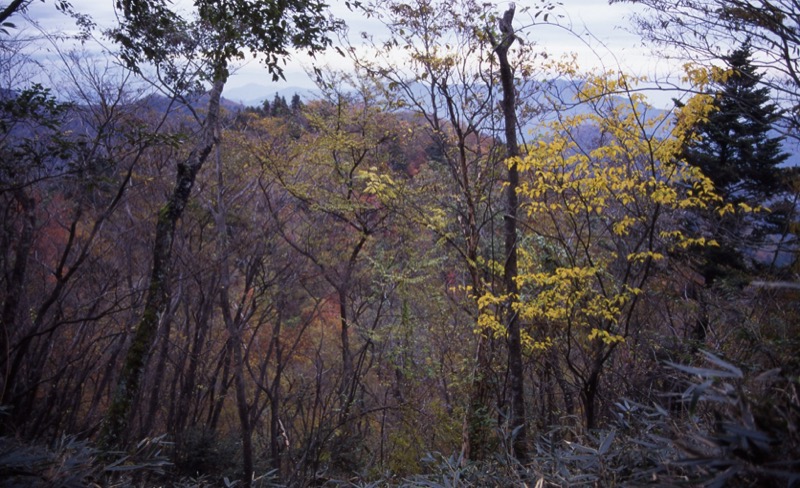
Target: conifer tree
[(296, 104), (279, 107), (737, 150)]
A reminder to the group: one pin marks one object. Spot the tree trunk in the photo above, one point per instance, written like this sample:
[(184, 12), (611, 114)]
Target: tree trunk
[(158, 377), (347, 356), (16, 284), (515, 363), (477, 428), (589, 395), (117, 417), (182, 411)]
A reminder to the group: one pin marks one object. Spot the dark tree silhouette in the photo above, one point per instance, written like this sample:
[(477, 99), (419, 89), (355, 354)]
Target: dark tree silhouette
[(737, 150)]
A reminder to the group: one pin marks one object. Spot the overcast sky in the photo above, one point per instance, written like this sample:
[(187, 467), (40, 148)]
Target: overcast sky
[(610, 43)]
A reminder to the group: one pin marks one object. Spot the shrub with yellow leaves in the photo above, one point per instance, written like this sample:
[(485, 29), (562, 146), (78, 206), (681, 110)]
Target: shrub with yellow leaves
[(605, 198)]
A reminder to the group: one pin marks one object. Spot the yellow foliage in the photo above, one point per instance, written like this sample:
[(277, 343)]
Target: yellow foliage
[(530, 346), (605, 336), (379, 184), (488, 324), (605, 213)]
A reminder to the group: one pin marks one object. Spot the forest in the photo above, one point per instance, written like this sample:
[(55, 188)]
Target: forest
[(463, 262)]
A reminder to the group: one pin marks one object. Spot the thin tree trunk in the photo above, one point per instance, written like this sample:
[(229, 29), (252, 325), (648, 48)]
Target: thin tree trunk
[(241, 403), (187, 413), (275, 428), (477, 426), (234, 322), (347, 356), (221, 377), (158, 378), (589, 395)]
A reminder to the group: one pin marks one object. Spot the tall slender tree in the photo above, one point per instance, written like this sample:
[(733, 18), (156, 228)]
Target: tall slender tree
[(510, 269)]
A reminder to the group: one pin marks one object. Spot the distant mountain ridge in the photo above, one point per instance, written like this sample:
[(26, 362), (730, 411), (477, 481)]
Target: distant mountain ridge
[(254, 94)]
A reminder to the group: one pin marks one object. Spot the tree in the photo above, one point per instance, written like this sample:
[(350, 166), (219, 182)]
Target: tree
[(604, 194), (220, 34), (449, 78), (510, 268), (60, 191), (334, 220), (278, 107), (704, 30), (21, 6), (29, 124), (735, 148), (296, 104)]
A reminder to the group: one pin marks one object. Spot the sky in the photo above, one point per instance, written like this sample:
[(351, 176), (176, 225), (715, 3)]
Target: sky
[(600, 38)]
